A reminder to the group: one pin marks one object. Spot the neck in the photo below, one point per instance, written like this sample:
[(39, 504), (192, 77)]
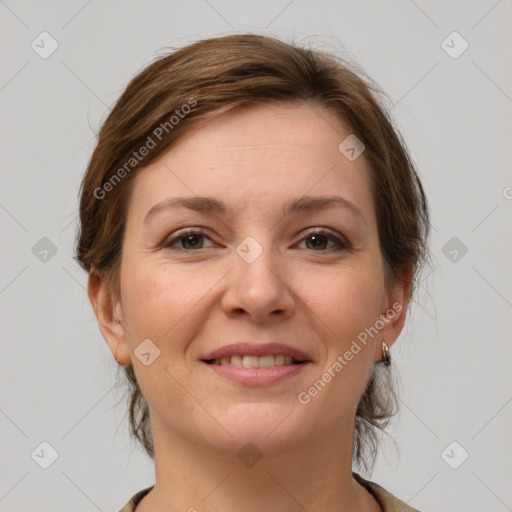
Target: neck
[(193, 476)]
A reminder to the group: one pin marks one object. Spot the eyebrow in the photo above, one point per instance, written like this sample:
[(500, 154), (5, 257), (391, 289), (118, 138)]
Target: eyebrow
[(212, 206)]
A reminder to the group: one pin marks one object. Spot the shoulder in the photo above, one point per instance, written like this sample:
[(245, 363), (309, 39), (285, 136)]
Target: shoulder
[(135, 500), (387, 501)]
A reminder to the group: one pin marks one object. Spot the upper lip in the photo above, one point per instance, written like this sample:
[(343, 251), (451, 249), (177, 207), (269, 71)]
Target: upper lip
[(257, 349)]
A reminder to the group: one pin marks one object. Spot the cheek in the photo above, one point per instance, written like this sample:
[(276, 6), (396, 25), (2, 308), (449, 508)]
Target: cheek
[(343, 308), (348, 301), (153, 302), (162, 301)]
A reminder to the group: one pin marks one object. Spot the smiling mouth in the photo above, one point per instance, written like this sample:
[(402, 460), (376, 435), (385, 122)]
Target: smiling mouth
[(267, 361)]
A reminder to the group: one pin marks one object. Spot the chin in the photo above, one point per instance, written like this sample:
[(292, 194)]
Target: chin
[(270, 427)]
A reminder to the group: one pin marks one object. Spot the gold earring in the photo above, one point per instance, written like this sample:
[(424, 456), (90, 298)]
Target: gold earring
[(386, 356)]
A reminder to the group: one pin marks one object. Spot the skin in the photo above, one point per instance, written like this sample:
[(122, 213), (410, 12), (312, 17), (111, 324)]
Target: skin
[(191, 301)]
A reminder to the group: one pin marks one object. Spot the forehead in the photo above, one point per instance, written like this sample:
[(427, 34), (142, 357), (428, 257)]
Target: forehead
[(255, 157)]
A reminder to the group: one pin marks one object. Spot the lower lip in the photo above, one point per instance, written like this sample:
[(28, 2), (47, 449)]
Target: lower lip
[(257, 376)]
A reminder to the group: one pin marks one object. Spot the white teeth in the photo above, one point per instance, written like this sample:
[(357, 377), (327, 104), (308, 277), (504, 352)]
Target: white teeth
[(250, 362), (268, 361), (236, 360)]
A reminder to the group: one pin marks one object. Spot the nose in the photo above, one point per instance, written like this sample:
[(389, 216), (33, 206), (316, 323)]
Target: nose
[(259, 289)]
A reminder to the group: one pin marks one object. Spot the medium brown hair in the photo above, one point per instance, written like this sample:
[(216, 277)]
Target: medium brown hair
[(217, 75)]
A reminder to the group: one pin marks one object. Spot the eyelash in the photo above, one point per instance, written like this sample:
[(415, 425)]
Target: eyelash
[(342, 243)]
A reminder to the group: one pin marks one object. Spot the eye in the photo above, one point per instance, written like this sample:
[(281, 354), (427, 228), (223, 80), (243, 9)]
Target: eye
[(189, 239), (319, 238)]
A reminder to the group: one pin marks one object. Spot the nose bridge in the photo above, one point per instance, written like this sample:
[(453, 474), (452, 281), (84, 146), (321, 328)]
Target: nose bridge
[(257, 286), (258, 262)]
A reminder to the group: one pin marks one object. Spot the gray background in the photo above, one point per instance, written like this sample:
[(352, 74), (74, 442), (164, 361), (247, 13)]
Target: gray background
[(56, 372)]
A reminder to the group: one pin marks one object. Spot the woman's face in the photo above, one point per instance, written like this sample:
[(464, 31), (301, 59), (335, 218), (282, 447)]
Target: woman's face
[(259, 262)]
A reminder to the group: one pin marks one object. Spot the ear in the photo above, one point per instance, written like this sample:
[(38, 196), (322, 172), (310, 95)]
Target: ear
[(109, 317), (394, 310)]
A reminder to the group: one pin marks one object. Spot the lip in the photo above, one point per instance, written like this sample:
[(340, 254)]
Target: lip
[(257, 376), (258, 349)]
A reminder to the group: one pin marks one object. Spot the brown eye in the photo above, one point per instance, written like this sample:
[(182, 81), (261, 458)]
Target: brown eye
[(318, 241), (194, 241), (187, 240)]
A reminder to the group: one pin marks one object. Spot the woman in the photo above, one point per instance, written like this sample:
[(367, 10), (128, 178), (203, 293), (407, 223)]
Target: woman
[(253, 228)]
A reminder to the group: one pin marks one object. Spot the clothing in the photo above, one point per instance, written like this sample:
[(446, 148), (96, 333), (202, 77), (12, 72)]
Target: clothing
[(386, 500)]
